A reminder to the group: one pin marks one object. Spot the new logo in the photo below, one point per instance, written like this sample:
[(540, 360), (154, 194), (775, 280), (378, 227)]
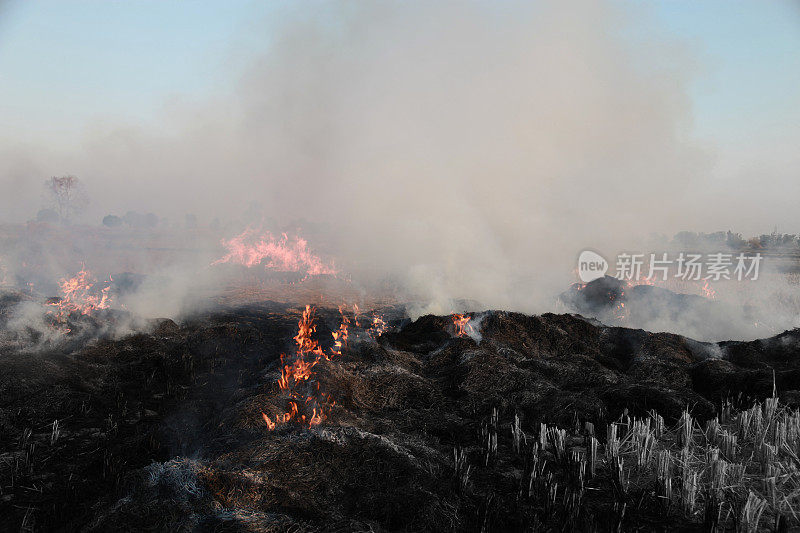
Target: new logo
[(591, 266)]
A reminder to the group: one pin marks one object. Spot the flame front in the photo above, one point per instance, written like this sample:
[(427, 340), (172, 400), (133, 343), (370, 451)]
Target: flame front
[(463, 327), (282, 254), (297, 374), (80, 294), (340, 336)]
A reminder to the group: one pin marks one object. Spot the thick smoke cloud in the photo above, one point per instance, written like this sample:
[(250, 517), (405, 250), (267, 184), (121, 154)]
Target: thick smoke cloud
[(469, 149)]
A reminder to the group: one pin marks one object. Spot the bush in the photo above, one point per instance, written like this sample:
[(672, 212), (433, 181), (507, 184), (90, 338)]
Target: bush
[(112, 221), (134, 219), (47, 215)]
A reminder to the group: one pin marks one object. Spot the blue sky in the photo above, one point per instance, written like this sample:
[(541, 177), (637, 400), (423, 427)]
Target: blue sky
[(750, 55), (66, 65)]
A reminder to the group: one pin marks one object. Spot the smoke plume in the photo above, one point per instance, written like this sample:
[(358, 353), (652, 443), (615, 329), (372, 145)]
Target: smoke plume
[(470, 150)]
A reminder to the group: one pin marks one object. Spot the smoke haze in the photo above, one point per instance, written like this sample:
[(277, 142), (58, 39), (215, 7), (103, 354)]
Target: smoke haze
[(471, 150)]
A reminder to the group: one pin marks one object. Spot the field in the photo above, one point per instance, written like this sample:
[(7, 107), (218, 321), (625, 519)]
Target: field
[(505, 423)]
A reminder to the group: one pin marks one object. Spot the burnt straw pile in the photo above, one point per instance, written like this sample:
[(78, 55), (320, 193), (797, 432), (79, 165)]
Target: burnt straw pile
[(273, 418), (648, 303)]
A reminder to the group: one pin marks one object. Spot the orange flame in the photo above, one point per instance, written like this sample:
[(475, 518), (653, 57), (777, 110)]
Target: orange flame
[(297, 376), (621, 311), (316, 418), (377, 326), (281, 254), (463, 327), (305, 328), (270, 423), (340, 336), (79, 294)]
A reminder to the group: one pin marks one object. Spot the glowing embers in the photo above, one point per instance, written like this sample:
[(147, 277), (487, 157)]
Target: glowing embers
[(307, 404), (284, 253), (681, 286), (81, 294), (620, 311), (377, 324), (708, 291)]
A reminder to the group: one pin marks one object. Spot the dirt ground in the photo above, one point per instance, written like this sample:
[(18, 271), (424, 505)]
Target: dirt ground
[(163, 430)]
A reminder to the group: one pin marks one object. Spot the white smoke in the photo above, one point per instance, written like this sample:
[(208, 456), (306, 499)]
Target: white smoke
[(470, 150)]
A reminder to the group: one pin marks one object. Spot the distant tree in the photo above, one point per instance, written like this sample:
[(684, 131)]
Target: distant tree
[(66, 195), (686, 239), (715, 238), (788, 239), (734, 240), (134, 219), (112, 221), (47, 215)]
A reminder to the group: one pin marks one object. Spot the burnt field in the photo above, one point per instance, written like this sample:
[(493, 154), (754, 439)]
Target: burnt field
[(265, 418), (404, 266)]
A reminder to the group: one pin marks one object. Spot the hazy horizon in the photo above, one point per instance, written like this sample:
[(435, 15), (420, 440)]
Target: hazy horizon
[(473, 149)]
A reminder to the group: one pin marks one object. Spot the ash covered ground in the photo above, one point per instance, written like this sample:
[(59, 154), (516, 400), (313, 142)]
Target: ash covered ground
[(492, 421)]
